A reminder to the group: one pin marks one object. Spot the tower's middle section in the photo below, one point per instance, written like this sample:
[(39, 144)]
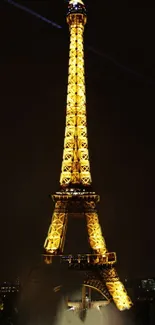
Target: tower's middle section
[(75, 165)]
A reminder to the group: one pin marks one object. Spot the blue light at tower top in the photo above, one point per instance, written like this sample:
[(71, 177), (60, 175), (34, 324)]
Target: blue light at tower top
[(76, 7)]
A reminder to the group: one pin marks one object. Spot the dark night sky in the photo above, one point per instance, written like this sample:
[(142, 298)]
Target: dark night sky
[(120, 105)]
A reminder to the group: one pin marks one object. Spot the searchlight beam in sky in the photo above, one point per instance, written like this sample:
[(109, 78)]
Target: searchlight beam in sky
[(15, 4), (90, 48)]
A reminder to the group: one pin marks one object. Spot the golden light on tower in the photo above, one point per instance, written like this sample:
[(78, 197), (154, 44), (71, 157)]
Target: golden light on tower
[(75, 164), (75, 195)]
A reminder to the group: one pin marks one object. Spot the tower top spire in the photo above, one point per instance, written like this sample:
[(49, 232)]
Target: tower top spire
[(76, 7), (75, 2)]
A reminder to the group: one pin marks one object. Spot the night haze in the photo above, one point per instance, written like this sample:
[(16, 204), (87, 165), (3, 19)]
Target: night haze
[(120, 101)]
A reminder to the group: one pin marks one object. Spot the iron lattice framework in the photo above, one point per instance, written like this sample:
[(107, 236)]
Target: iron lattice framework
[(75, 164), (76, 196)]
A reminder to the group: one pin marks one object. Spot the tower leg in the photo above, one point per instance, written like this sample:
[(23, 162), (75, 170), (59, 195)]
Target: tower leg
[(108, 273), (116, 288), (96, 239), (56, 235)]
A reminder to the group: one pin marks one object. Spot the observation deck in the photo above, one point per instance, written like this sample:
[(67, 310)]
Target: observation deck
[(83, 261), (75, 194), (76, 8)]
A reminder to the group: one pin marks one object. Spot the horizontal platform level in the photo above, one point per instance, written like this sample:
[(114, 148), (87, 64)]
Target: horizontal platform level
[(83, 259), (75, 195)]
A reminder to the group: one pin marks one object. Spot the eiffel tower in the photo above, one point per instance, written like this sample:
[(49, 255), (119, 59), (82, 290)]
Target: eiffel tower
[(76, 196)]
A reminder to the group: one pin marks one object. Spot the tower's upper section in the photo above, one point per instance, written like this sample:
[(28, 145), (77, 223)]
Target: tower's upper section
[(75, 169), (76, 7)]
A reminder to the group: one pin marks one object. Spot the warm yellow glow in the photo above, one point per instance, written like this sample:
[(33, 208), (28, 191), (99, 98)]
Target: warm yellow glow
[(75, 164), (74, 2), (96, 239), (1, 306), (56, 234), (116, 289), (119, 294), (76, 170)]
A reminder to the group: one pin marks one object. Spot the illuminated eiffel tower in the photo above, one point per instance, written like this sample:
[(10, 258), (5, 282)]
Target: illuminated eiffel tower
[(76, 196)]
